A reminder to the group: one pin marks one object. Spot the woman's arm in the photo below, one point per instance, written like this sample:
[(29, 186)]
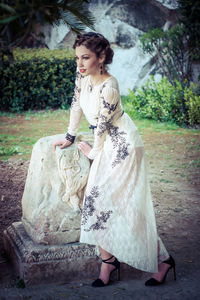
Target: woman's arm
[(76, 111), (109, 106), (75, 116)]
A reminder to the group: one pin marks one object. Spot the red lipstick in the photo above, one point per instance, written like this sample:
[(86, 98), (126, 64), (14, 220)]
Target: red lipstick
[(82, 70)]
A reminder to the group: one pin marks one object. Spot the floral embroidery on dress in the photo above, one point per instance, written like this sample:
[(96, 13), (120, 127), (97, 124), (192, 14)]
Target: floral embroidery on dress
[(103, 86), (79, 75), (117, 138), (120, 143), (89, 210), (122, 153), (103, 218), (103, 125), (110, 107)]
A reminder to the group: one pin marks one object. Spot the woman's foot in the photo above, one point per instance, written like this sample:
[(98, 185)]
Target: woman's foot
[(105, 271), (108, 266), (163, 269)]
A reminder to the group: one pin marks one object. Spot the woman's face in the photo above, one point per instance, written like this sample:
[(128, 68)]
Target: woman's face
[(87, 61)]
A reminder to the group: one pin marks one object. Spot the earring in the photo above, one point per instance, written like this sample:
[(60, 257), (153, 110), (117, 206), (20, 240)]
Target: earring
[(101, 70)]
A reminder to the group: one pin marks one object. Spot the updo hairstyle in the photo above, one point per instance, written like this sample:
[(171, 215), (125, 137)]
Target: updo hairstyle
[(96, 43)]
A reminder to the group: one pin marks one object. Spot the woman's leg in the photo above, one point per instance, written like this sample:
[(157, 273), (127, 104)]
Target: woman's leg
[(106, 268), (162, 270), (163, 255)]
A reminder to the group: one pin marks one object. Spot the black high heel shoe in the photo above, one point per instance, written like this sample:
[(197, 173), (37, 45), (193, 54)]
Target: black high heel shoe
[(153, 281), (98, 282)]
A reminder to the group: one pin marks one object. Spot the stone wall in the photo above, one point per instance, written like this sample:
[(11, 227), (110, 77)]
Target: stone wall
[(122, 22)]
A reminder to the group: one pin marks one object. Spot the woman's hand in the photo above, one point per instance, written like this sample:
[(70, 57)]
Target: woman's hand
[(84, 147), (63, 143)]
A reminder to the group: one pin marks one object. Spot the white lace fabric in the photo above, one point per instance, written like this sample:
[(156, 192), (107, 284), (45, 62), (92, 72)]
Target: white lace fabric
[(118, 212)]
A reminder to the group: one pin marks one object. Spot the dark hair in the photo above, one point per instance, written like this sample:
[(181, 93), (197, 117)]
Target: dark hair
[(96, 43)]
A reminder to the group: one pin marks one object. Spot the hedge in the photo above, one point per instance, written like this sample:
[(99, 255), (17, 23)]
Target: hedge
[(37, 80), (163, 101)]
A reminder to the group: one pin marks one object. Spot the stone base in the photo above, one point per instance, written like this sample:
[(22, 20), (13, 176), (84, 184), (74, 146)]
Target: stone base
[(36, 263)]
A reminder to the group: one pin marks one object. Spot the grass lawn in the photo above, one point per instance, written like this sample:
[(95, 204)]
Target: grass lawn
[(19, 132)]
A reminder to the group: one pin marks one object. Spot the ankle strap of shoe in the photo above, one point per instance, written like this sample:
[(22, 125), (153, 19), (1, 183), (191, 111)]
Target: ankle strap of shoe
[(105, 260)]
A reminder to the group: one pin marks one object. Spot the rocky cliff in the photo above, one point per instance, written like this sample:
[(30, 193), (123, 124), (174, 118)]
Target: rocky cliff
[(122, 22)]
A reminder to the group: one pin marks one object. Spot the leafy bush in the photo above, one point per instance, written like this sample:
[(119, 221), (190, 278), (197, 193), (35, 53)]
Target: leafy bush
[(27, 54), (163, 101), (189, 16), (193, 102), (37, 80), (171, 50)]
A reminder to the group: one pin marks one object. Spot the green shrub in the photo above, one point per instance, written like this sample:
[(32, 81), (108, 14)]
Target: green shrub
[(37, 80), (27, 54), (193, 101), (172, 52), (165, 102)]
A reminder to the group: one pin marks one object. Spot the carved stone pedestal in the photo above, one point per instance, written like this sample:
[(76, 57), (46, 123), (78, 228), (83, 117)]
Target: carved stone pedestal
[(35, 263)]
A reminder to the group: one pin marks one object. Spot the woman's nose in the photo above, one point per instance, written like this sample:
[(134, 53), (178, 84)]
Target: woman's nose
[(80, 63)]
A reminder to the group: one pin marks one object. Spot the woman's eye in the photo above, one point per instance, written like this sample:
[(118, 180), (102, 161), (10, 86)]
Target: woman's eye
[(86, 57)]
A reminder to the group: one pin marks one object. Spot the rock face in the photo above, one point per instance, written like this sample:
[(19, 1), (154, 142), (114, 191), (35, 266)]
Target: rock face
[(53, 193), (122, 22)]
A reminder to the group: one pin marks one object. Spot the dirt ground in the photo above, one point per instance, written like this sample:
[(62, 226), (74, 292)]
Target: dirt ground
[(12, 179), (174, 165)]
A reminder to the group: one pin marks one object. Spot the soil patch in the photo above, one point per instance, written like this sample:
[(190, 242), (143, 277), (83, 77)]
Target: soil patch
[(12, 181)]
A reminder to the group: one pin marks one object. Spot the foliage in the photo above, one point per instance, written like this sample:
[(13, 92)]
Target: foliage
[(26, 54), (37, 82), (171, 50), (5, 151), (21, 19), (163, 101), (177, 48), (193, 102), (189, 16)]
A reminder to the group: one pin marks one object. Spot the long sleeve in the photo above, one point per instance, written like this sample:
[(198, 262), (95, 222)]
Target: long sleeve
[(110, 110), (75, 111)]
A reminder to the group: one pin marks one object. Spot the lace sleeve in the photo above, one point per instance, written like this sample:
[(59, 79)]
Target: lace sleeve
[(109, 110), (76, 111)]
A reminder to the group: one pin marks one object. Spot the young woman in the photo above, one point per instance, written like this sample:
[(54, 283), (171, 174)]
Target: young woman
[(117, 214)]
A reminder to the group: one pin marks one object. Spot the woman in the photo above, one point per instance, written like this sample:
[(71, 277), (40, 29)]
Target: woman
[(117, 213)]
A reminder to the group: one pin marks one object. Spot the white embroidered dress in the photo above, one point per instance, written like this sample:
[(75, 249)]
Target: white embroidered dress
[(118, 213)]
